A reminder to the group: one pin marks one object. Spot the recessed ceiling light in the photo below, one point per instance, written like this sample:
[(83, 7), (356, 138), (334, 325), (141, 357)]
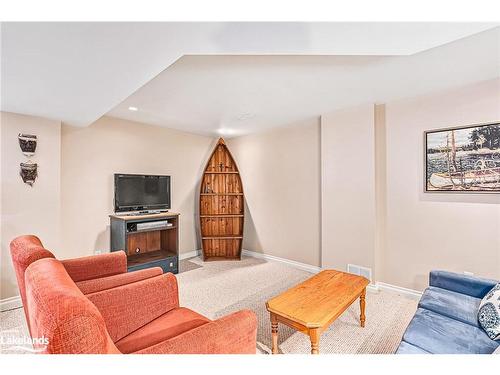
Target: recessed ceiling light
[(133, 109), (225, 131)]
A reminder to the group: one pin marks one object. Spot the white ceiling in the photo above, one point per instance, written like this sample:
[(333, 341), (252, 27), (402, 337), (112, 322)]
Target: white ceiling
[(77, 72), (237, 95)]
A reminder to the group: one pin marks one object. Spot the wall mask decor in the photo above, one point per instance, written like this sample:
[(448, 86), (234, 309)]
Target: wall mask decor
[(27, 142), (29, 172)]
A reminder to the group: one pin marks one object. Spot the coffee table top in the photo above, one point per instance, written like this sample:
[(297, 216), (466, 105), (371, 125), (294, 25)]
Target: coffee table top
[(320, 299)]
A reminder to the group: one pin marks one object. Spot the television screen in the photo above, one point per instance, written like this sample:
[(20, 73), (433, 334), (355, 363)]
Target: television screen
[(141, 192)]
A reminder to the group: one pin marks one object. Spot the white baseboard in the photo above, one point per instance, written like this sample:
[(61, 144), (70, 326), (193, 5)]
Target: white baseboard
[(10, 303), (373, 287), (399, 289), (314, 269), (302, 266), (191, 254)]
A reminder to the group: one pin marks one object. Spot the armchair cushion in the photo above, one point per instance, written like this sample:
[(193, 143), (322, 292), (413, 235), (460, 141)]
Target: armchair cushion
[(173, 323), (96, 266), (129, 307), (233, 334)]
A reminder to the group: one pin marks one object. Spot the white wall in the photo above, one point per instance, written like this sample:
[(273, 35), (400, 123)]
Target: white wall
[(374, 210), (456, 232), (280, 170), (69, 204), (90, 157), (348, 188), (25, 209)]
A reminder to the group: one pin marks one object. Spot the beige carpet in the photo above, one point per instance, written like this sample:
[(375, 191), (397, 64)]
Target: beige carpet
[(215, 289), (186, 265), (225, 287)]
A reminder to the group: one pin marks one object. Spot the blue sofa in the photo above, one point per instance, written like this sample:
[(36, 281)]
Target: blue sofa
[(446, 318)]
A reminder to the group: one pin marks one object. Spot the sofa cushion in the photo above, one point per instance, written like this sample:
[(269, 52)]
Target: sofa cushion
[(440, 334), (170, 324), (489, 313), (451, 304), (406, 348)]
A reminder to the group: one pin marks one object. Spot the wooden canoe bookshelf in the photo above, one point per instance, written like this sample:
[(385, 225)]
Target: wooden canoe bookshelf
[(221, 207)]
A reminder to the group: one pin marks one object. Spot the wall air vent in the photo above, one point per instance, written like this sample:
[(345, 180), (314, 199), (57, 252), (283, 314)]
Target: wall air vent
[(360, 271)]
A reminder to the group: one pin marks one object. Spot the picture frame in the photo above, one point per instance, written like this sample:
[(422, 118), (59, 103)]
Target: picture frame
[(463, 159)]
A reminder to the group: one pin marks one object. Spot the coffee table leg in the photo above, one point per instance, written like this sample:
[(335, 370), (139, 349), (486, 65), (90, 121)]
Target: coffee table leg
[(314, 336), (274, 331), (362, 304)]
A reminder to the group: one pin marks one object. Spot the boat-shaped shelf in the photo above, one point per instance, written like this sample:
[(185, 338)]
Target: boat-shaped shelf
[(221, 207)]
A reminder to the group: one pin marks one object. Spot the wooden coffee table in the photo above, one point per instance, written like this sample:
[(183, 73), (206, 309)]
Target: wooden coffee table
[(313, 305)]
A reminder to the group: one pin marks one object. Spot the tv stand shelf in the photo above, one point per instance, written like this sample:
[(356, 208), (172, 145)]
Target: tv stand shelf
[(139, 217), (134, 260), (152, 229), (149, 247)]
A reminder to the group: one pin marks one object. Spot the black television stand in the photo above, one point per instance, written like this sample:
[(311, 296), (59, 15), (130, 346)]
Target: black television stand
[(154, 245)]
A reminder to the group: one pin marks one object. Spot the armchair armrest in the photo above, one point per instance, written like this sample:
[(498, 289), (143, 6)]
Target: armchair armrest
[(129, 307), (470, 285), (233, 334), (95, 266)]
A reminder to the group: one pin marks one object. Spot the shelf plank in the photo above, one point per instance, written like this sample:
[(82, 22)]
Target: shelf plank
[(152, 229), (216, 194), (208, 172), (223, 237), (222, 215), (150, 256), (221, 257), (130, 217)]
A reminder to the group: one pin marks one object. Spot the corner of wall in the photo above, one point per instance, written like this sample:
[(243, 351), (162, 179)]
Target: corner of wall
[(380, 189)]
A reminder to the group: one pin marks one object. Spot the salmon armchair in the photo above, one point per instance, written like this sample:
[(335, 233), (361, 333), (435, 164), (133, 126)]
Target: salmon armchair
[(142, 317), (91, 273)]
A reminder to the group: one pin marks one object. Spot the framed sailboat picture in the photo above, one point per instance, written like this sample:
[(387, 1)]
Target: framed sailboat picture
[(463, 159)]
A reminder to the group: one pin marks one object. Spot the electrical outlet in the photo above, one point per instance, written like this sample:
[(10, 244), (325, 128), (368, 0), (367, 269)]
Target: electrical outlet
[(467, 273)]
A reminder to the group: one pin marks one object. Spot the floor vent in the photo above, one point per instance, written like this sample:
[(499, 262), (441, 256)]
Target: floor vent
[(360, 271)]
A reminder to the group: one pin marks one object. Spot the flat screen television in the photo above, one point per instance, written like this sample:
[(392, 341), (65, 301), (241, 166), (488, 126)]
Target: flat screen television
[(137, 192)]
